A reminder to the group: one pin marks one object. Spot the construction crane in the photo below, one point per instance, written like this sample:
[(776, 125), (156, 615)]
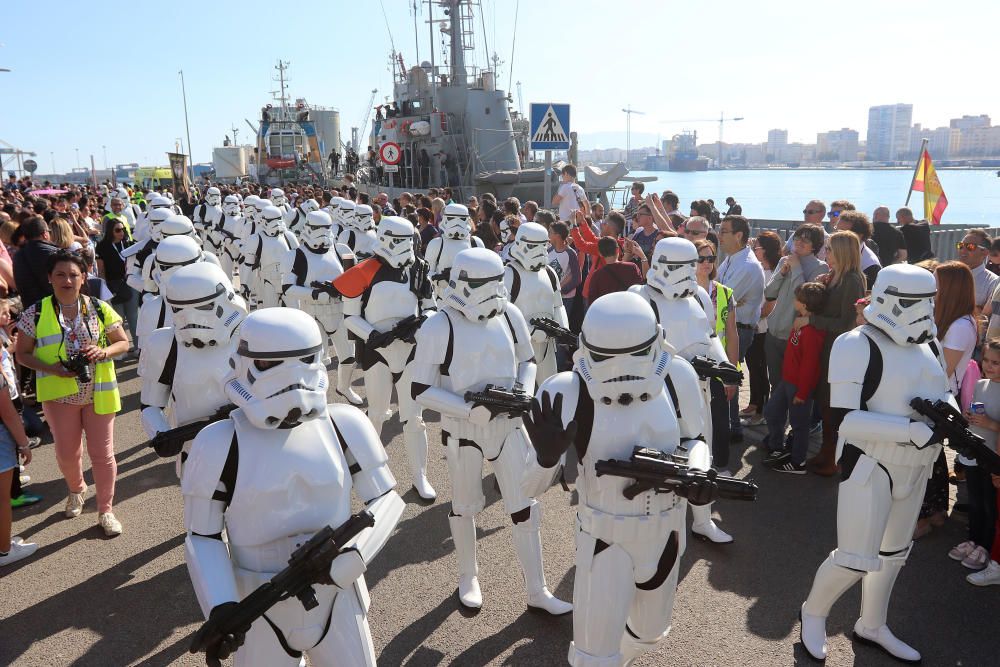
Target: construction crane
[(7, 149), (721, 120), (628, 129), (366, 114)]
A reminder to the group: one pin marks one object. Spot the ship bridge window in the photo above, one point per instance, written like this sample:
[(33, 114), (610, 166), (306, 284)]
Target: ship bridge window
[(487, 111)]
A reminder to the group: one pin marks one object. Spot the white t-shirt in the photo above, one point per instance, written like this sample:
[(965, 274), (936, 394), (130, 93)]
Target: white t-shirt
[(569, 192), (559, 262), (961, 336)]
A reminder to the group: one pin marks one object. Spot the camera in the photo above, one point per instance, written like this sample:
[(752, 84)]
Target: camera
[(79, 364)]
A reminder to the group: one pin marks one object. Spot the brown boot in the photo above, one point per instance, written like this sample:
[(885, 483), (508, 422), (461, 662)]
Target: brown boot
[(823, 463)]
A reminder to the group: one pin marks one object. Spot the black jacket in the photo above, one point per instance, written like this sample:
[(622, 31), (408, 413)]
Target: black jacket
[(31, 271)]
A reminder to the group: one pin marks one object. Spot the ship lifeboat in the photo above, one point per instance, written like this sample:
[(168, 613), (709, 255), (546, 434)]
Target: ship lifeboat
[(420, 128), (279, 163)]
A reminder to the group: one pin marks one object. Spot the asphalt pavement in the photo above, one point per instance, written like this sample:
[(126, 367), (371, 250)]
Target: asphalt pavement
[(87, 600)]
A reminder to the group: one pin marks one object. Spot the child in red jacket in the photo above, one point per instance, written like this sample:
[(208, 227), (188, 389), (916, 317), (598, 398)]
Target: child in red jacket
[(791, 399)]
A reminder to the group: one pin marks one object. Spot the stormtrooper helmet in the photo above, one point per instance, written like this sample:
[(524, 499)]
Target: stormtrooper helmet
[(171, 254), (103, 189), (271, 220), (251, 207), (277, 376), (362, 219), (507, 230), (278, 197), (347, 213), (231, 206), (317, 233), (121, 193), (672, 268), (531, 246), (156, 218), (902, 304), (395, 241), (476, 286), (309, 205), (213, 196), (455, 222), (334, 209), (622, 355), (204, 305), (175, 225), (158, 201)]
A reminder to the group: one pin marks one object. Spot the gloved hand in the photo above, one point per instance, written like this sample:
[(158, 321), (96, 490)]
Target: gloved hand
[(922, 435), (545, 429), (209, 637), (320, 297), (346, 568), (700, 492)]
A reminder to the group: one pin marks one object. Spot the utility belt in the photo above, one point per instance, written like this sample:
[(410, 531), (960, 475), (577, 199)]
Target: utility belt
[(740, 325), (615, 528), (271, 557), (895, 453)]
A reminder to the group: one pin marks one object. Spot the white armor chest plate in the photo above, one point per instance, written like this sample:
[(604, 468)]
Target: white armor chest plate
[(364, 242), (197, 391), (233, 224), (323, 267), (616, 431), (212, 215), (535, 297), (151, 312), (449, 249), (273, 250), (389, 302), (483, 354), (289, 482), (684, 322), (908, 372)]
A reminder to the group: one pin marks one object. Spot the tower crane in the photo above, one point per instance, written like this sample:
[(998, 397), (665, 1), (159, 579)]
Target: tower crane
[(628, 129), (721, 120), (364, 117)]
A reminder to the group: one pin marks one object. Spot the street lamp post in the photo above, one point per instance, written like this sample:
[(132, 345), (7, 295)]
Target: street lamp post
[(77, 157), (105, 149), (52, 154), (187, 127)]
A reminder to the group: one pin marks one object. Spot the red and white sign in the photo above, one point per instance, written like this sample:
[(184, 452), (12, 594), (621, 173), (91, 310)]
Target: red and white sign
[(390, 152)]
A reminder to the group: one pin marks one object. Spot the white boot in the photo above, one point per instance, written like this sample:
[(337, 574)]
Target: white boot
[(416, 455), (463, 534), (871, 628), (344, 373), (704, 525), (528, 546), (830, 583), (632, 648)]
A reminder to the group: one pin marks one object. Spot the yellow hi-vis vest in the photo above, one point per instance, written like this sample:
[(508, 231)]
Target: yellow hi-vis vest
[(50, 348)]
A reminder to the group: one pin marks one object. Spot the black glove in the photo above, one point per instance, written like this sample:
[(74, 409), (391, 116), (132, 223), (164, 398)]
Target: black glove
[(217, 647), (377, 340), (548, 436), (700, 492)]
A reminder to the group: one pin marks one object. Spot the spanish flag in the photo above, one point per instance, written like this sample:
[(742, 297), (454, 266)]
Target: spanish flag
[(925, 180)]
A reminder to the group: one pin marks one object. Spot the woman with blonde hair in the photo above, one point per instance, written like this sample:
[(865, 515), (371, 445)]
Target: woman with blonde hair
[(61, 235), (845, 284)]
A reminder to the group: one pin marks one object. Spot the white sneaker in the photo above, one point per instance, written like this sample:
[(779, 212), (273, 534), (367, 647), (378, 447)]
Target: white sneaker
[(18, 550), (74, 504), (986, 577), (112, 526), (25, 480)]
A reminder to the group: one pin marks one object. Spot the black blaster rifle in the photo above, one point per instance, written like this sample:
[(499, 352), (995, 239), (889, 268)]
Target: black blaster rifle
[(554, 330), (308, 566), (949, 424), (405, 328), (724, 371), (326, 288), (498, 400), (444, 274), (169, 443), (656, 471)]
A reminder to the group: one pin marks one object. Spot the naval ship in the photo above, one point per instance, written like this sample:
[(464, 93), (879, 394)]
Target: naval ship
[(450, 126)]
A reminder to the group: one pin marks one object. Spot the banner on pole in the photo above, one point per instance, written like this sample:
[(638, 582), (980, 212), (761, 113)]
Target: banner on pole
[(178, 169)]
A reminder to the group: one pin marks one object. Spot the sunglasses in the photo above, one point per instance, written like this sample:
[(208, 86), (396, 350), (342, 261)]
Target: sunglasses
[(811, 211), (970, 246), (706, 258)]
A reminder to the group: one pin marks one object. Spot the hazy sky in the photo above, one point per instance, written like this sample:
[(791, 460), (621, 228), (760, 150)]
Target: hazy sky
[(105, 73)]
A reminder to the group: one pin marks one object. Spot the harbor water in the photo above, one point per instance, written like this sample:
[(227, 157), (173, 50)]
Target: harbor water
[(781, 194)]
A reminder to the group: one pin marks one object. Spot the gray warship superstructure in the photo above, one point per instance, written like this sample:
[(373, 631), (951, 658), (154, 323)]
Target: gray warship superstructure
[(451, 126)]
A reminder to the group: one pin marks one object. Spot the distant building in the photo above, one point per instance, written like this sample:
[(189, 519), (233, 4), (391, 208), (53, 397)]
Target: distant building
[(942, 142), (889, 128), (980, 142), (970, 122), (837, 145), (777, 141)]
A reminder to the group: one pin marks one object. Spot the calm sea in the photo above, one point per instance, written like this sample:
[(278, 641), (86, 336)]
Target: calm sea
[(973, 195)]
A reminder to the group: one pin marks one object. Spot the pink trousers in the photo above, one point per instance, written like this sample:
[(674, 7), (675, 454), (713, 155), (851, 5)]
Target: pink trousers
[(69, 423)]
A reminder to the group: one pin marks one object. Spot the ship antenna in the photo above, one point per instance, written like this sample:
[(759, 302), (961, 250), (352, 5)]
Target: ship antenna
[(513, 43)]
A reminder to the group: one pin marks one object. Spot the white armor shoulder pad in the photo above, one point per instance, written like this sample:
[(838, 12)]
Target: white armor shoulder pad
[(567, 385), (433, 251), (519, 325), (476, 242), (344, 252), (155, 348), (640, 290), (359, 436), (691, 406), (209, 451), (849, 357)]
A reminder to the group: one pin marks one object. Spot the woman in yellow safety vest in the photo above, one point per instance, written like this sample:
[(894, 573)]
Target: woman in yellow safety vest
[(69, 339)]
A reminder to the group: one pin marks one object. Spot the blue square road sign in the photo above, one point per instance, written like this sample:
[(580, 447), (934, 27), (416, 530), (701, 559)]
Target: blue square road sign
[(549, 127)]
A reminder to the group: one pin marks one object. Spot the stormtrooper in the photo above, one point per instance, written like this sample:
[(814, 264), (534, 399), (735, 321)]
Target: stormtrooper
[(227, 236), (358, 231), (334, 210), (182, 366), (136, 254), (278, 470), (176, 225), (315, 261), (263, 255), (626, 389), (534, 288), (207, 217), (154, 202), (475, 308), (671, 290), (296, 218), (885, 452), (508, 234), (171, 254), (456, 236), (278, 199), (379, 294)]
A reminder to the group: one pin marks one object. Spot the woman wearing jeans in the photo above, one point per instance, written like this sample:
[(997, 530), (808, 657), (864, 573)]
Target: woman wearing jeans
[(67, 329)]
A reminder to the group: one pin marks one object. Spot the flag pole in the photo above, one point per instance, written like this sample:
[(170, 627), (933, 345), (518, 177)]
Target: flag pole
[(923, 148)]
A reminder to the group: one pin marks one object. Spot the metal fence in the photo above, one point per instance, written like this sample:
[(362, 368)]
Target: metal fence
[(943, 238)]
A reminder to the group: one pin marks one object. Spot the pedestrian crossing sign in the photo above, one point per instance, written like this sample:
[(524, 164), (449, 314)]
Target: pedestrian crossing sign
[(549, 127)]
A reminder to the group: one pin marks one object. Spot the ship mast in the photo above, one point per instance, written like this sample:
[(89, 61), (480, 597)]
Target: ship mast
[(282, 95)]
